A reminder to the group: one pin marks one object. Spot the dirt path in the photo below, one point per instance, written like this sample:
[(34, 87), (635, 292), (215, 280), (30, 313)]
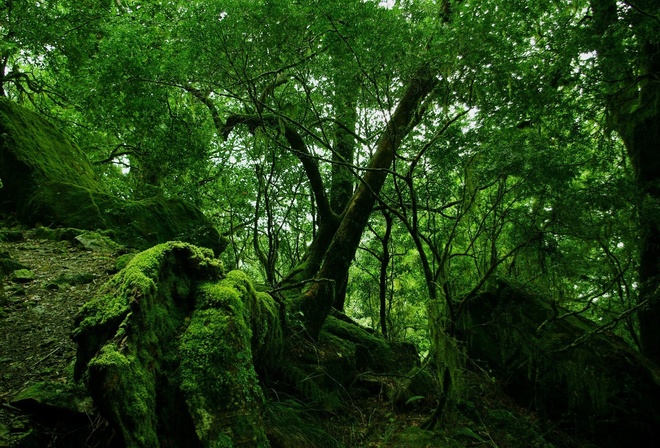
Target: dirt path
[(36, 317)]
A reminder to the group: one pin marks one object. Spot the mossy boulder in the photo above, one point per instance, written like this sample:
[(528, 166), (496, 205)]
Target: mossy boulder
[(10, 236), (54, 397), (22, 276), (565, 367), (8, 264), (46, 179), (346, 358), (54, 413), (168, 349), (372, 351), (33, 150)]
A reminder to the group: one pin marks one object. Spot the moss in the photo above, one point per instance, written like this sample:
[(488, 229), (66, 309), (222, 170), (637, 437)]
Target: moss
[(372, 351), (51, 396), (122, 261), (565, 368), (142, 305), (49, 180), (339, 362), (267, 337), (225, 295), (97, 242), (217, 371), (32, 150), (139, 224), (144, 345), (134, 401), (22, 276), (236, 294), (9, 264)]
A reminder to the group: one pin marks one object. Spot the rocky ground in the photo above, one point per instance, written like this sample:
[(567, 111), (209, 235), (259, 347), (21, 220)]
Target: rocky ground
[(37, 312)]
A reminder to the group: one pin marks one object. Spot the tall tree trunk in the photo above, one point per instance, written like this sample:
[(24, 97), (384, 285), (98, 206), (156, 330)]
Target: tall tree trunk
[(317, 301), (342, 181), (633, 101)]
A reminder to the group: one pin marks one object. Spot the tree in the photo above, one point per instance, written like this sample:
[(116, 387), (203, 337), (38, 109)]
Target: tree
[(475, 129), (629, 55)]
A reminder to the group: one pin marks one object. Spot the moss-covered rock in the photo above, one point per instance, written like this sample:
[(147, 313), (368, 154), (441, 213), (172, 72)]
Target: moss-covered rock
[(566, 368), (372, 351), (94, 241), (123, 260), (168, 347), (22, 276), (33, 150), (54, 397), (10, 236), (346, 358), (8, 264), (138, 224), (54, 413), (75, 279), (47, 179)]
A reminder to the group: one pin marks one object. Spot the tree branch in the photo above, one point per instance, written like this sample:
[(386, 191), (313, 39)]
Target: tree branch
[(298, 147)]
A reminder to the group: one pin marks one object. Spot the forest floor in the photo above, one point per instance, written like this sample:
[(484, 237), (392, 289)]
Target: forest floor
[(37, 316)]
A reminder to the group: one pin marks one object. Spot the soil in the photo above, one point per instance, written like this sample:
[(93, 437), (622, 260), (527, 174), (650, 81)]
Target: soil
[(36, 317)]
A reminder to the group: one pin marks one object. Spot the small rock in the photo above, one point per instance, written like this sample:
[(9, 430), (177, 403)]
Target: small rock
[(9, 264), (11, 236), (96, 242), (52, 397), (72, 279), (51, 286), (22, 276)]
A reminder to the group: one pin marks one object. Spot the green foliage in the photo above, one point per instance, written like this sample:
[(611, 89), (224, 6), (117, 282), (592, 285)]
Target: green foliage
[(511, 169), (305, 382)]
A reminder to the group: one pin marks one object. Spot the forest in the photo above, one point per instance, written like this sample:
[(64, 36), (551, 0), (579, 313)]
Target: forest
[(339, 223)]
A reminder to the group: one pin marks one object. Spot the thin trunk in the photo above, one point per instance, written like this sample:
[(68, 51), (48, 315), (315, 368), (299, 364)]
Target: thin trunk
[(384, 265), (342, 183)]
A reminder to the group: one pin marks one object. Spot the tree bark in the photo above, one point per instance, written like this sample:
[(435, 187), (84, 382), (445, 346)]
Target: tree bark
[(317, 301), (384, 265), (633, 102), (342, 181)]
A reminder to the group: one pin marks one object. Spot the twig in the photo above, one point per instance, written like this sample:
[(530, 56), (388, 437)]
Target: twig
[(55, 350), (302, 283)]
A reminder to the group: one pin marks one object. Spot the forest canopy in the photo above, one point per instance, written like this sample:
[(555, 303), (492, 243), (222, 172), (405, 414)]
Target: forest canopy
[(389, 159)]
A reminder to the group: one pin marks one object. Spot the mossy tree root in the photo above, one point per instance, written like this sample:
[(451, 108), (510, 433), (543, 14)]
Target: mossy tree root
[(169, 346)]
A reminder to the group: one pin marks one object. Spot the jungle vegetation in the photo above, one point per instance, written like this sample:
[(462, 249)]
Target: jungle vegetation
[(391, 160)]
